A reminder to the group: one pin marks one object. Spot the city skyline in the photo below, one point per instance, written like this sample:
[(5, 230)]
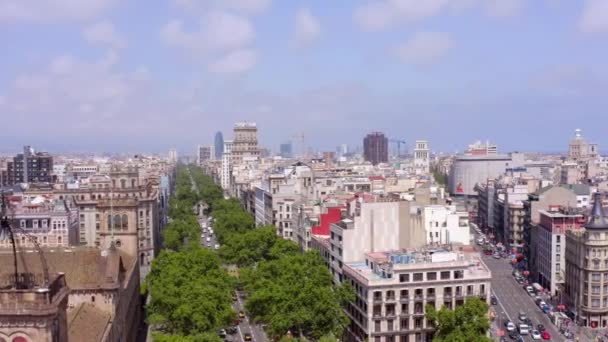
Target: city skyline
[(488, 70)]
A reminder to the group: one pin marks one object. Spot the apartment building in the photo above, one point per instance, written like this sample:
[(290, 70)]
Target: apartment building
[(586, 286), (48, 222), (444, 225), (373, 225), (393, 288), (550, 244)]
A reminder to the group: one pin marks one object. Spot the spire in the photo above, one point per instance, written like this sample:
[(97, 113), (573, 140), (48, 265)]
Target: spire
[(597, 219)]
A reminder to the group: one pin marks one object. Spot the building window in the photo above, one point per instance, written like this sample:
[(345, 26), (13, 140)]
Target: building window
[(377, 325), (445, 275), (418, 276), (431, 276), (125, 221), (405, 294), (35, 223), (404, 278), (595, 303), (93, 299)]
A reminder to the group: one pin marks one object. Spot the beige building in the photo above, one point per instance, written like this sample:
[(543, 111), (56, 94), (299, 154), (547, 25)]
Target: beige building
[(586, 285), (245, 142), (93, 295), (393, 288), (108, 193)]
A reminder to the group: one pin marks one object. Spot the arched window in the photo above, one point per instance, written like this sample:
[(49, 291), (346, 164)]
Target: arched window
[(132, 183), (109, 222), (142, 258), (123, 183), (117, 222), (125, 222), (93, 299), (118, 243)]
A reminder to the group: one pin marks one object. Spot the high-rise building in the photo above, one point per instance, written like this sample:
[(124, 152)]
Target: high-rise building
[(219, 145), (245, 143), (204, 153), (375, 148), (30, 167), (173, 155), (286, 150), (421, 157)]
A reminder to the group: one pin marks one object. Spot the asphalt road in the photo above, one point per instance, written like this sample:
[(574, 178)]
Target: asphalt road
[(512, 298)]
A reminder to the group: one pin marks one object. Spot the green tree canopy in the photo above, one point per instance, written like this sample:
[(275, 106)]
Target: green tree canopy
[(295, 293), (190, 292), (468, 322)]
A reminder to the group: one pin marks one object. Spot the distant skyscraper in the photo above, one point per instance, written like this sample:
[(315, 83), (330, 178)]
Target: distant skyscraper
[(219, 145), (286, 150), (343, 149), (173, 155), (375, 148)]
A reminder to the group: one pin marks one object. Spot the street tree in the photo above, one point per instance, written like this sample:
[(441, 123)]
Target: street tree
[(468, 322)]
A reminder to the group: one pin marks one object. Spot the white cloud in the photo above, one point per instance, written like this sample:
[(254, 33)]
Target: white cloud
[(503, 8), (216, 32), (308, 28), (235, 62), (103, 33), (381, 14), (244, 6), (67, 87), (424, 47), (49, 11), (595, 17)]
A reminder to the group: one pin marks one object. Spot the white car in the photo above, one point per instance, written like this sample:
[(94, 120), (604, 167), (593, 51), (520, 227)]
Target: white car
[(542, 304), (510, 326), (536, 335), (208, 239)]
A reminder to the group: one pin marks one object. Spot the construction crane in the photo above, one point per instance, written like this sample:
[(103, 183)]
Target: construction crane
[(398, 142), (7, 232)]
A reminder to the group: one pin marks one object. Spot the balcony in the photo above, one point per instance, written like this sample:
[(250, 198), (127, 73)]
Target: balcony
[(377, 299), (391, 314), (418, 298), (377, 314), (390, 299)]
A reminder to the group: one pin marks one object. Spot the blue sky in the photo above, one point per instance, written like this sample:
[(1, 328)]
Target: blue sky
[(110, 75)]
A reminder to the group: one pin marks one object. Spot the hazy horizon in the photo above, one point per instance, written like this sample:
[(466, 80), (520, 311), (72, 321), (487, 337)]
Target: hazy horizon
[(107, 75)]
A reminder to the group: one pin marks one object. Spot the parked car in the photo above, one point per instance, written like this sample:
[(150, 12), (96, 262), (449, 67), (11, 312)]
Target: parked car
[(247, 336), (496, 256), (520, 280), (493, 300), (514, 335), (540, 328), (222, 333), (546, 335), (535, 334), (241, 314)]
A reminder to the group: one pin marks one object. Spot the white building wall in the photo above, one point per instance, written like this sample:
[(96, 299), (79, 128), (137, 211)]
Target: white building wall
[(442, 226)]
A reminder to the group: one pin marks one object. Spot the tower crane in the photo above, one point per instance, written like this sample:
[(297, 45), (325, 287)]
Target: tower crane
[(7, 232), (398, 142)]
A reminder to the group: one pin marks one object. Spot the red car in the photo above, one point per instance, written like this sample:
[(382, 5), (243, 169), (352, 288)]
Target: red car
[(546, 335)]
